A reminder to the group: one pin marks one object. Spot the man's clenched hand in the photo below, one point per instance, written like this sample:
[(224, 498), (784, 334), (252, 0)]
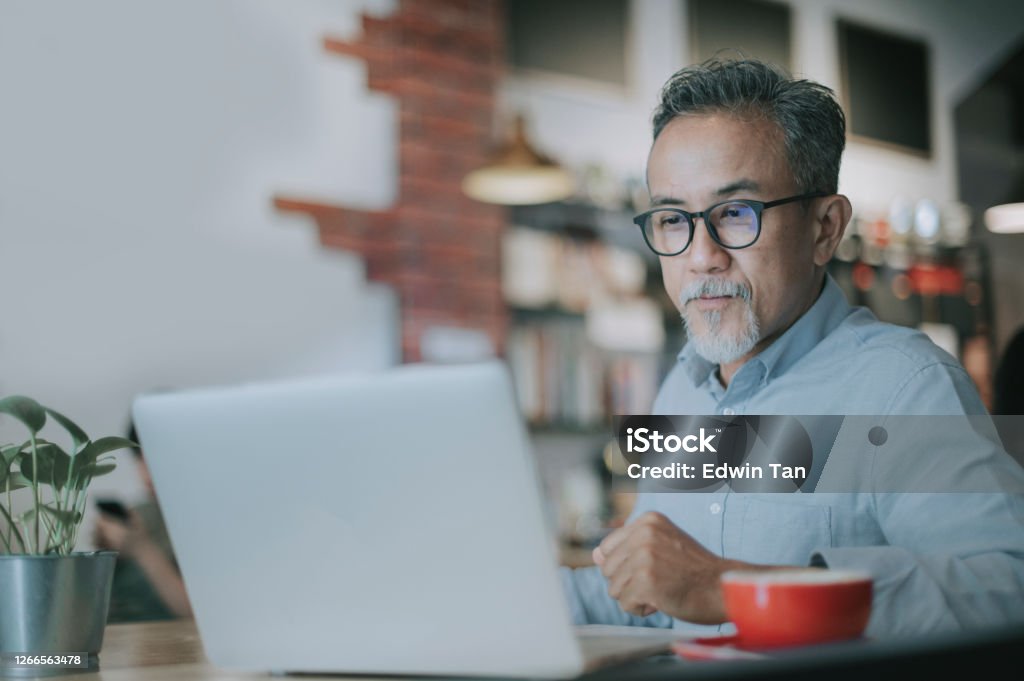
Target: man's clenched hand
[(652, 565)]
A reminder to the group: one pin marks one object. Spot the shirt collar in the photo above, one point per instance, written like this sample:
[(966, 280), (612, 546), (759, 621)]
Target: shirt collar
[(827, 312), (696, 367)]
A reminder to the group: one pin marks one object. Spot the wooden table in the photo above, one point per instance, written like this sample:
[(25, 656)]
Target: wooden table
[(172, 651), (160, 651)]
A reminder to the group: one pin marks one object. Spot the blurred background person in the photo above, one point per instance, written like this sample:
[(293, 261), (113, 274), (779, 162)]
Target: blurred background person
[(147, 583), (1008, 386), (1008, 396)]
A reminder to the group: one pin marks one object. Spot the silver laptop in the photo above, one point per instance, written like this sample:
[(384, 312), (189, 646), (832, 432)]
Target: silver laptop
[(381, 523)]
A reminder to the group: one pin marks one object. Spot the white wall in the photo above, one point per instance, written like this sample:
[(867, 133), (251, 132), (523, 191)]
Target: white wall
[(579, 123), (140, 147)]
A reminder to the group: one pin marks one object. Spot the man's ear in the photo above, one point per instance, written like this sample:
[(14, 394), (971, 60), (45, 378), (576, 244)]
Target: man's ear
[(831, 217)]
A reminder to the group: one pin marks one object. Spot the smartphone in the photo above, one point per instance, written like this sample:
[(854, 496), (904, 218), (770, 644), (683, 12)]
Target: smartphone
[(113, 508)]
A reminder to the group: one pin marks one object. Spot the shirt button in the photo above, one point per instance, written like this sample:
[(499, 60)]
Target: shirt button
[(715, 508), (729, 411)]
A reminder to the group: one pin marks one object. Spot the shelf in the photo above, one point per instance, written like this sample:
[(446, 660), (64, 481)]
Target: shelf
[(586, 221), (594, 429), (525, 314), (568, 378)]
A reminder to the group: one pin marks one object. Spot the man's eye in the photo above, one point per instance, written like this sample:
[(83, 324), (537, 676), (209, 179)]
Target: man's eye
[(670, 221)]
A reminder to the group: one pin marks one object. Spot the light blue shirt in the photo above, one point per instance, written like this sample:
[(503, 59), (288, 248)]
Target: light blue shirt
[(940, 561)]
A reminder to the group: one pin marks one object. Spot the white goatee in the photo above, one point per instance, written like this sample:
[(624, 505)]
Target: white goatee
[(711, 343)]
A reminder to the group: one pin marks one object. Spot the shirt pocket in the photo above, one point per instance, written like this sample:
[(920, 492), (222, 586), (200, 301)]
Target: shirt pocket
[(777, 531)]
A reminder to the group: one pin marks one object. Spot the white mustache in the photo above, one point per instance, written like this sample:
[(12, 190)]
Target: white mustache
[(714, 288)]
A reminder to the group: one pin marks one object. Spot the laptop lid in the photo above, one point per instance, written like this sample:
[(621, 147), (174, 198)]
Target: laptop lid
[(384, 523)]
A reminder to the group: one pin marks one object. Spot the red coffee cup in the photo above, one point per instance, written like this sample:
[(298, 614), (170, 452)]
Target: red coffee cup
[(779, 608)]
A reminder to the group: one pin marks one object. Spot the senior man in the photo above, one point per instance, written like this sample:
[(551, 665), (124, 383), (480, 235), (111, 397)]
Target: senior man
[(743, 177)]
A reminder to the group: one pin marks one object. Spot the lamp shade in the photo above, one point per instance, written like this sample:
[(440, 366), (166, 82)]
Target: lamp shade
[(1007, 218), (517, 175)]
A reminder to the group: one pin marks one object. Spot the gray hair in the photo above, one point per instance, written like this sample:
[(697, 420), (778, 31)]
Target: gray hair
[(807, 113)]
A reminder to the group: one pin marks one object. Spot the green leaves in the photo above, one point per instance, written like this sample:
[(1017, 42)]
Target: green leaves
[(7, 456), (78, 436), (38, 464), (33, 416), (60, 515), (16, 481), (98, 469), (52, 465), (26, 410), (94, 449), (88, 464), (8, 453), (55, 468)]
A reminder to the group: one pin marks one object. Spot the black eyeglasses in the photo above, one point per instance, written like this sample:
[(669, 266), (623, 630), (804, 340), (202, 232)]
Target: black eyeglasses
[(732, 224)]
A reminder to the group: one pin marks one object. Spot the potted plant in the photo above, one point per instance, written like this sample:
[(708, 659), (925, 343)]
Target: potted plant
[(53, 601)]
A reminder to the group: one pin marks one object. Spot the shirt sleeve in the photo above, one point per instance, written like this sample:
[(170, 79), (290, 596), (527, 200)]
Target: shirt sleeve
[(963, 568), (949, 502), (587, 592)]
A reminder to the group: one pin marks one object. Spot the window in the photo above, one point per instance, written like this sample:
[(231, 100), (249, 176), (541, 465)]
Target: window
[(885, 87), (581, 38), (751, 28)]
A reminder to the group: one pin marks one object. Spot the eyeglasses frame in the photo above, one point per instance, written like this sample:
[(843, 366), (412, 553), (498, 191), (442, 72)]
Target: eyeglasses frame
[(758, 206)]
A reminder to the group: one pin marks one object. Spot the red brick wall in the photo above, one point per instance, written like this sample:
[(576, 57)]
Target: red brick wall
[(441, 60)]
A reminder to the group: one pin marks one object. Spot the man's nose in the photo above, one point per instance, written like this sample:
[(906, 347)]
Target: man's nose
[(704, 253)]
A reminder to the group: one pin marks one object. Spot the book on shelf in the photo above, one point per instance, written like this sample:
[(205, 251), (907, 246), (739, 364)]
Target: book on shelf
[(562, 379)]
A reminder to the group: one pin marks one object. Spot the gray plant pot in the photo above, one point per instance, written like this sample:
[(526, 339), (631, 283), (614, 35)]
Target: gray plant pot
[(53, 605)]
